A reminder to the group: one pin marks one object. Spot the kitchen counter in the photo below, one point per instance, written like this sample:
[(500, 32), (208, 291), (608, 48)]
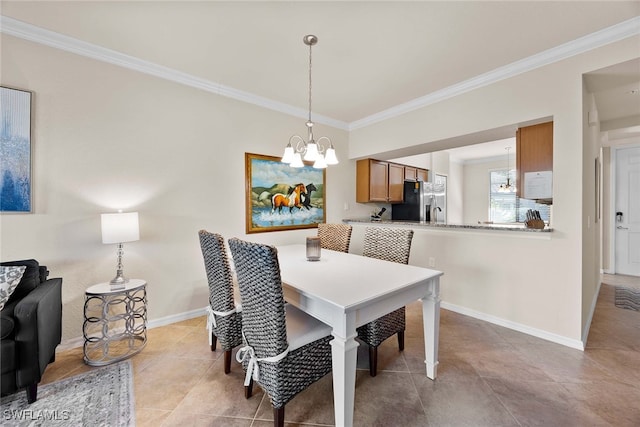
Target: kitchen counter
[(428, 225)]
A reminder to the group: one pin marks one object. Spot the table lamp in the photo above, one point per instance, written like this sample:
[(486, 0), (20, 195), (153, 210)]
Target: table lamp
[(119, 228)]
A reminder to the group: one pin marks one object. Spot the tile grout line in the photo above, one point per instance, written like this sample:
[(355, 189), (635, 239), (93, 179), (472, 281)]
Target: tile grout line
[(506, 408), (415, 387)]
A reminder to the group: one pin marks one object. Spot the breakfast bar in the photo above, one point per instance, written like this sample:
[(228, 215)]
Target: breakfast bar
[(426, 225)]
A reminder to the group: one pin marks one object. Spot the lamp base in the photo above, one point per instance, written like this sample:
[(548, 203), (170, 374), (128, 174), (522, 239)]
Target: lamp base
[(118, 282)]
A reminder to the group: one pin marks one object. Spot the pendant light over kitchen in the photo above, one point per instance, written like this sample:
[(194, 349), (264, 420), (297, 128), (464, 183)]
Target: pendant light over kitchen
[(507, 187)]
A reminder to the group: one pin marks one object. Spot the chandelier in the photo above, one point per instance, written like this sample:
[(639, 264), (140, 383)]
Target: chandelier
[(507, 187), (310, 150)]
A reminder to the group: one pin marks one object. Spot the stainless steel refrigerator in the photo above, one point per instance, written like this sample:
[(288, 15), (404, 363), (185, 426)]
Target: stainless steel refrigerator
[(423, 201)]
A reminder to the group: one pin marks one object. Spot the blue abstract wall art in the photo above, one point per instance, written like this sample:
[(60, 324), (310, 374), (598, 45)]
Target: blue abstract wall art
[(15, 150)]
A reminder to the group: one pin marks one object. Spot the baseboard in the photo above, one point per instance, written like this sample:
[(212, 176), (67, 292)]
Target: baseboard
[(70, 344), (164, 321), (156, 323), (558, 339), (587, 326)]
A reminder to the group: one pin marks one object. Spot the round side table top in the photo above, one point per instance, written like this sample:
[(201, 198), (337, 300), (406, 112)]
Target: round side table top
[(105, 288)]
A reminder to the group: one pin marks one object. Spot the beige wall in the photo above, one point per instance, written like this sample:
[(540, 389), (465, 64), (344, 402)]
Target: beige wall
[(476, 190), (455, 197), (591, 223), (106, 138), (533, 283)]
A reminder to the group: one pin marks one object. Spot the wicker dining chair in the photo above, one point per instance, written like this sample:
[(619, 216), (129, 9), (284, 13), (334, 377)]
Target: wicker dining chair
[(335, 236), (390, 244), (285, 350), (224, 319)]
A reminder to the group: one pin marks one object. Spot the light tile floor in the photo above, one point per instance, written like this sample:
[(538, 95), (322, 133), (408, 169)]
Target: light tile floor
[(488, 376)]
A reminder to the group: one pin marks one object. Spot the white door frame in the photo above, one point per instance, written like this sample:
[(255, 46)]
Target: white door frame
[(612, 203)]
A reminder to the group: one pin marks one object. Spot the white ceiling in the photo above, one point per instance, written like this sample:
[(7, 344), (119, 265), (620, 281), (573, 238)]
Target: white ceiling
[(494, 150), (371, 55)]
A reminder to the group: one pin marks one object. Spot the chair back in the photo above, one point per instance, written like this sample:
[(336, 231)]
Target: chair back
[(336, 237), (263, 314), (216, 263), (389, 244)]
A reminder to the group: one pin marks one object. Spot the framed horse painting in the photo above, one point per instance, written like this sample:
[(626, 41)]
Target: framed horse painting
[(279, 197)]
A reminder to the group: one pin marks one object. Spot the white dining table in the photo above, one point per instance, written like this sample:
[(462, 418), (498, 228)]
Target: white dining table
[(346, 291)]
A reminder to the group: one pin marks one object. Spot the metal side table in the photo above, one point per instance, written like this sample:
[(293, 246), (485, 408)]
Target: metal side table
[(115, 322)]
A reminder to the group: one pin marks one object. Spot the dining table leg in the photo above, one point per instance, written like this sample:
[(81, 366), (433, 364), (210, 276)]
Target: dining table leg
[(431, 320), (344, 352)]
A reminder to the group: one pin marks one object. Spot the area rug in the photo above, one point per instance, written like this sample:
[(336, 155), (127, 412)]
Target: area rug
[(100, 397), (627, 297)]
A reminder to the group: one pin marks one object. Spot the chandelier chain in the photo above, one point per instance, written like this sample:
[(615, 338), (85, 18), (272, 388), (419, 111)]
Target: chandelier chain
[(310, 46)]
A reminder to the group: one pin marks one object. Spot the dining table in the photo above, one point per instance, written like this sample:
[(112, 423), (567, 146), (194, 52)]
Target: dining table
[(345, 291)]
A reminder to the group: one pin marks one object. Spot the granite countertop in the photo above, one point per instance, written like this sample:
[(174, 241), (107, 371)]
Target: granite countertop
[(425, 224)]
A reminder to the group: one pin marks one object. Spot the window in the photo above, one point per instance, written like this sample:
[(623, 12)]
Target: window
[(506, 207)]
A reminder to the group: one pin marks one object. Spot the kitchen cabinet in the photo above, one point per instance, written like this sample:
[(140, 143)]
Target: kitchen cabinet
[(410, 173), (534, 152), (415, 174), (379, 181)]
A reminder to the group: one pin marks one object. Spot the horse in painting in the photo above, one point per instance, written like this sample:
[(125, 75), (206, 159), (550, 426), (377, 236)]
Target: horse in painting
[(291, 200), (306, 197)]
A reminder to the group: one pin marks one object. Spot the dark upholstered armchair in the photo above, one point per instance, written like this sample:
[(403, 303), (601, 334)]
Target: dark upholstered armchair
[(31, 327)]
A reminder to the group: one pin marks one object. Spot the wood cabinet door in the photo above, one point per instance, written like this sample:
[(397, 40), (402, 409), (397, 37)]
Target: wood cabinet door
[(396, 183), (534, 151), (422, 175), (410, 173), (378, 180)]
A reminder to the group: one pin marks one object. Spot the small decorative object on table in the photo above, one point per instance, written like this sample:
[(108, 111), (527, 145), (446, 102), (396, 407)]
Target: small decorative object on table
[(534, 220), (313, 249), (378, 216)]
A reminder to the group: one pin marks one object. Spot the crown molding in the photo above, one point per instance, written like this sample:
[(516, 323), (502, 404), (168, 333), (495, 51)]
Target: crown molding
[(35, 34), (580, 45), (16, 28)]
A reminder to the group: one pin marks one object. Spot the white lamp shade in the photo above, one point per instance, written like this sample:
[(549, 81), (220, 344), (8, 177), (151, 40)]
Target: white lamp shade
[(312, 152), (288, 154), (331, 158), (297, 161), (120, 227), (320, 163)]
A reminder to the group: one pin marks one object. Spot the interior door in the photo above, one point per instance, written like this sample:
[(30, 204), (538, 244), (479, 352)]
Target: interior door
[(627, 213)]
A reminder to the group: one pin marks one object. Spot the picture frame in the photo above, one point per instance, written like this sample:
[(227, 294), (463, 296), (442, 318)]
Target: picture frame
[(15, 150), (279, 197)]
